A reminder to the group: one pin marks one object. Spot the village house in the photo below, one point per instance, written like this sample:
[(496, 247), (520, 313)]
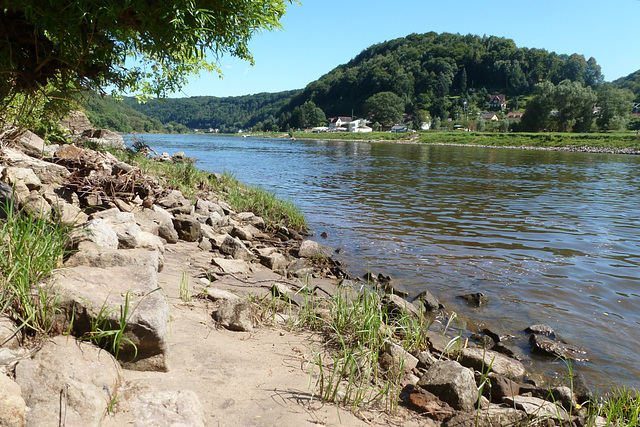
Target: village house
[(497, 102), (339, 122), (489, 116), (514, 116)]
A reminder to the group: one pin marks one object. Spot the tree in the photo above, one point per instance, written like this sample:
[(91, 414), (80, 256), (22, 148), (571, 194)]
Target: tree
[(537, 116), (57, 48), (385, 107), (614, 107), (574, 103)]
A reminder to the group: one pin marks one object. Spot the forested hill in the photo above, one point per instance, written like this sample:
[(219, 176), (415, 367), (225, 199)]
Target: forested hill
[(226, 114), (631, 82), (436, 74), (426, 69)]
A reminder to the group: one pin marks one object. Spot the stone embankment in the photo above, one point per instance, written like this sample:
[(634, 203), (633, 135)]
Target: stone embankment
[(143, 252)]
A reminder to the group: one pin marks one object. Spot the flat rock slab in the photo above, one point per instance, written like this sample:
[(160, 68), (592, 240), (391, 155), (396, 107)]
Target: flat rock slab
[(86, 291), (483, 360), (13, 407), (105, 258), (231, 266), (167, 409), (538, 408), (68, 380)]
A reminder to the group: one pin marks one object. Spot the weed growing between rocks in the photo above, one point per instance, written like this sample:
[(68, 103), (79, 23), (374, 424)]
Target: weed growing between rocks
[(621, 407), (30, 249)]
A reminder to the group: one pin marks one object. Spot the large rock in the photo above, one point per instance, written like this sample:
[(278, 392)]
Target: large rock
[(234, 247), (104, 258), (86, 293), (76, 122), (235, 315), (542, 345), (30, 143), (124, 224), (105, 138), (157, 221), (68, 383), (10, 334), (13, 407), (538, 408), (488, 360), (47, 172), (311, 249), (452, 383), (167, 409), (399, 306), (36, 206), (12, 175), (65, 212), (188, 228), (231, 266), (96, 233), (398, 357)]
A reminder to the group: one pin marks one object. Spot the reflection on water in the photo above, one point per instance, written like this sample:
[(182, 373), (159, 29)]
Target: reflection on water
[(550, 237)]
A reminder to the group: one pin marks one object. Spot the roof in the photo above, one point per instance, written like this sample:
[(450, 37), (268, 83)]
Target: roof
[(498, 99)]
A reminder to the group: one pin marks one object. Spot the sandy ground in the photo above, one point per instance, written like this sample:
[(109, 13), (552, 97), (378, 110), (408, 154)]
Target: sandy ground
[(258, 378)]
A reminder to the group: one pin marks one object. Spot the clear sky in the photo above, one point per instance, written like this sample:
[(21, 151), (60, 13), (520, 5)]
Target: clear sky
[(319, 35)]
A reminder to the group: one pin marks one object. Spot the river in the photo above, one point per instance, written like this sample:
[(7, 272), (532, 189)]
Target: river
[(550, 237)]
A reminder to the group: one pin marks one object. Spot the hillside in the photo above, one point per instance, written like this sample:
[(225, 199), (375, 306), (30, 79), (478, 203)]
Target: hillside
[(631, 82), (442, 74)]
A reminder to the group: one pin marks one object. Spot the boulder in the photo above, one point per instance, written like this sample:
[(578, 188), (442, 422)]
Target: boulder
[(10, 334), (499, 387), (538, 408), (37, 206), (174, 199), (76, 122), (428, 301), (276, 262), (47, 172), (482, 359), (231, 266), (68, 382), (66, 213), (105, 258), (30, 143), (104, 138), (399, 357), (235, 315), (166, 408), (542, 345), (188, 228), (427, 403), (311, 249), (476, 299), (89, 293), (452, 383), (124, 224), (541, 330), (399, 306), (12, 175), (234, 247), (13, 407)]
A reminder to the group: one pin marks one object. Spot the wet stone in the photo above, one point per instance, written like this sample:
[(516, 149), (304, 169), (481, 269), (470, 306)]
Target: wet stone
[(476, 299)]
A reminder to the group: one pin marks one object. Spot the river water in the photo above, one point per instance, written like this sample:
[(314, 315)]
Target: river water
[(550, 237)]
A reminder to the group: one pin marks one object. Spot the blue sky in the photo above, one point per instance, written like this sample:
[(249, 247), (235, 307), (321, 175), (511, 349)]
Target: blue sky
[(319, 35)]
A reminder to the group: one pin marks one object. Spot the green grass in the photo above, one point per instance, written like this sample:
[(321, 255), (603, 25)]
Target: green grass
[(31, 248), (619, 407), (609, 140)]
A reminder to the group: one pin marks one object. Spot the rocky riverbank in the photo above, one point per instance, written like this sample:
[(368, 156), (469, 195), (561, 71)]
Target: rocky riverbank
[(204, 302)]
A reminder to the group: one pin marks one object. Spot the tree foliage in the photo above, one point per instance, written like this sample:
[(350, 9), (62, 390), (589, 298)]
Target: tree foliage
[(58, 47), (385, 107)]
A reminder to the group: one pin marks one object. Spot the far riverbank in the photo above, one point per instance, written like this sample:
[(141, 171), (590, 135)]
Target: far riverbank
[(612, 143)]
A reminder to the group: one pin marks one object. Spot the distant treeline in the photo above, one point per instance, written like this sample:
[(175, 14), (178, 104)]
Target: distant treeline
[(437, 77)]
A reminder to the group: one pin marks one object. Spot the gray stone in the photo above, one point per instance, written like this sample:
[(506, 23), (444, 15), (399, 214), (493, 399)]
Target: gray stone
[(499, 387), (288, 294), (538, 408), (400, 357), (215, 219), (300, 268), (12, 175), (480, 359), (251, 218), (311, 249), (105, 138), (235, 315), (13, 407), (276, 262), (476, 299), (426, 359), (30, 143), (215, 294), (234, 247), (400, 306), (124, 224), (47, 172), (76, 122), (104, 258), (68, 381), (167, 409), (37, 206), (541, 330), (156, 221), (174, 199), (243, 233), (542, 345), (85, 292), (428, 301), (452, 383), (188, 228), (65, 212), (231, 266), (205, 244), (10, 334)]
